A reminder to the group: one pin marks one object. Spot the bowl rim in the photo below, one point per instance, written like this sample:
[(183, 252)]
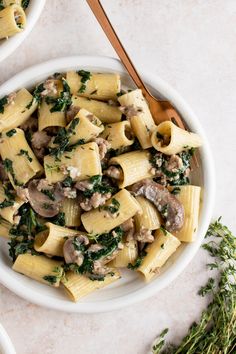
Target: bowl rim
[(40, 71), (5, 342), (7, 47)]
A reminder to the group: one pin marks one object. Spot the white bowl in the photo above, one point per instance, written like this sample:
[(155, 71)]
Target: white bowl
[(6, 346), (32, 14), (130, 288)]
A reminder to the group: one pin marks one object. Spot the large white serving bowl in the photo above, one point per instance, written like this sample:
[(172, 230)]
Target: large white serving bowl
[(33, 12), (6, 346), (131, 288)]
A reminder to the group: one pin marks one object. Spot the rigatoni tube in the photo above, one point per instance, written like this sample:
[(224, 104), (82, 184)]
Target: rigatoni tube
[(105, 112), (40, 268), (71, 209), (118, 135), (149, 218), (97, 86), (19, 160), (51, 240), (158, 252), (9, 212), (12, 21), (137, 110), (135, 166), (74, 163), (78, 285), (121, 207), (17, 110), (170, 139), (126, 255)]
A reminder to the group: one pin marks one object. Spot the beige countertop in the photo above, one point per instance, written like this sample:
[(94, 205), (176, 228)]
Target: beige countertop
[(191, 44)]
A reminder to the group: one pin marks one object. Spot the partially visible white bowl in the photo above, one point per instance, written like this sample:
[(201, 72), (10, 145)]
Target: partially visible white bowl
[(6, 346), (7, 46), (130, 288)]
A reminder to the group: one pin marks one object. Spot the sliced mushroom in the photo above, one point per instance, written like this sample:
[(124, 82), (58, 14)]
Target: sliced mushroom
[(42, 203), (167, 204), (71, 249)]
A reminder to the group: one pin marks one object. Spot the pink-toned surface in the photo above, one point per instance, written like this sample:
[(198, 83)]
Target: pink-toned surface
[(191, 44)]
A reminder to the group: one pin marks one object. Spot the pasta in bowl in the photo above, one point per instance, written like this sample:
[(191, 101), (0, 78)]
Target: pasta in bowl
[(17, 18), (89, 191)]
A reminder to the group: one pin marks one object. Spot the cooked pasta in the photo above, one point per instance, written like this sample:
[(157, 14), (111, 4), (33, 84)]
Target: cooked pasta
[(97, 86), (15, 109), (89, 184), (170, 139), (142, 123), (107, 113)]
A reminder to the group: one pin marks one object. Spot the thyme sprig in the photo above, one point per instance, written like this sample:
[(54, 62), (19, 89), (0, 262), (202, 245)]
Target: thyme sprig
[(215, 333)]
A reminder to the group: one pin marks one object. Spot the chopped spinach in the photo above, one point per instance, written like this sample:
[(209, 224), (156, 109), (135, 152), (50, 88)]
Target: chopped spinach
[(26, 154), (10, 133), (7, 164), (175, 190), (48, 193), (99, 185), (1, 5), (60, 104), (138, 261), (3, 102), (113, 207), (67, 182), (36, 95), (51, 279), (25, 4), (59, 219), (6, 203), (85, 76)]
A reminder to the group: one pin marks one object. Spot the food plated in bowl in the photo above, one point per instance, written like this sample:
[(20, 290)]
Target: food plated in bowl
[(17, 18), (119, 200), (6, 346)]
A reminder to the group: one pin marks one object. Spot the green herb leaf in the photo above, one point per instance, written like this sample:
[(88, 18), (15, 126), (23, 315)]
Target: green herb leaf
[(85, 76), (10, 133), (3, 102), (25, 153)]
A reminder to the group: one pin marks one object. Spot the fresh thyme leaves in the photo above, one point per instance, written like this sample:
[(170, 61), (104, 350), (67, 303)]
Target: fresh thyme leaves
[(51, 279), (99, 185), (10, 133), (26, 154), (3, 102), (85, 76), (138, 261), (113, 207), (48, 193), (59, 219), (62, 140), (60, 104), (7, 164), (216, 330)]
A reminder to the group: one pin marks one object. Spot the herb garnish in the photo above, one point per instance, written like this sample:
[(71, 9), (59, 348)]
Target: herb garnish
[(25, 153), (62, 140), (138, 261), (6, 203), (113, 207), (7, 164), (99, 185), (25, 4), (60, 104), (3, 102), (51, 279), (67, 182), (48, 193), (59, 219), (10, 133), (36, 95), (1, 5), (22, 235), (85, 76), (216, 330)]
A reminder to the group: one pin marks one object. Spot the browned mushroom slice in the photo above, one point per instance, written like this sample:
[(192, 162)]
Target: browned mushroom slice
[(73, 249), (167, 204), (45, 204)]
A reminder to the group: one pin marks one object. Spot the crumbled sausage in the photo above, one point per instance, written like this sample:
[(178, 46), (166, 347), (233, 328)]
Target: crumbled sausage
[(103, 146), (144, 235), (114, 172), (71, 113), (96, 200)]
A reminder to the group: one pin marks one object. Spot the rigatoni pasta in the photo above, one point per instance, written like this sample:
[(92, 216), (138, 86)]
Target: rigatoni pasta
[(12, 21), (87, 188)]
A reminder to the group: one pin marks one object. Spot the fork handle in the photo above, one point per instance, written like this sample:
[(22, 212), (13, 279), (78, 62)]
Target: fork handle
[(107, 27)]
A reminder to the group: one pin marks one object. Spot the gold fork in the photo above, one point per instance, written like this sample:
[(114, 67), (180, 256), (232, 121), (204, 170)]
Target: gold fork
[(161, 110)]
